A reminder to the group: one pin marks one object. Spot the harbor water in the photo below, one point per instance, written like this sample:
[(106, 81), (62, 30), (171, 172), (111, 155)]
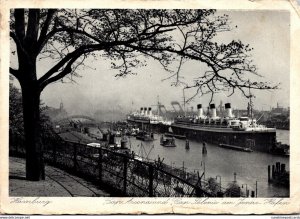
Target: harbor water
[(249, 167), (283, 136)]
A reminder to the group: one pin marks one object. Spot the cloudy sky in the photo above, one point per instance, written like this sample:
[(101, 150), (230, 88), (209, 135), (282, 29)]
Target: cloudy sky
[(98, 88)]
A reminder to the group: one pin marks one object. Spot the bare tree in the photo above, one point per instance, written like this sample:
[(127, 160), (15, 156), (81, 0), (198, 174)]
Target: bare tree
[(125, 37)]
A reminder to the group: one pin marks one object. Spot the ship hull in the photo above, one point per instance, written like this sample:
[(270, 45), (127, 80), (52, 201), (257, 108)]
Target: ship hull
[(263, 141), (146, 125)]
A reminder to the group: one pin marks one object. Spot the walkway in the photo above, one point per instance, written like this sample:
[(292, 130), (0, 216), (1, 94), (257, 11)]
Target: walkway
[(58, 183)]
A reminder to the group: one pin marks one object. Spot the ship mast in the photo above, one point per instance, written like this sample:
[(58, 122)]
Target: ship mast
[(184, 102), (250, 104), (158, 104)]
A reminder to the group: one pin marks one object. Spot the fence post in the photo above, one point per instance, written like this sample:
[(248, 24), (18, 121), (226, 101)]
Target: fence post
[(100, 165), (17, 145), (43, 166), (74, 157), (199, 192), (125, 162), (62, 153), (54, 152), (151, 181), (269, 173)]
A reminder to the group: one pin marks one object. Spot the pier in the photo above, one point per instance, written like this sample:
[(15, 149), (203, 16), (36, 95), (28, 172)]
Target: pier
[(278, 174)]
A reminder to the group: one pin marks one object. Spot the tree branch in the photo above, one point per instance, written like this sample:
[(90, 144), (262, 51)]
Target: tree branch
[(19, 24), (14, 72), (32, 28), (63, 73), (81, 50), (19, 44), (44, 30)]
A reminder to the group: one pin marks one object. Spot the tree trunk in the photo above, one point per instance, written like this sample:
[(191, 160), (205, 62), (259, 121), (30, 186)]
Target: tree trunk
[(34, 149)]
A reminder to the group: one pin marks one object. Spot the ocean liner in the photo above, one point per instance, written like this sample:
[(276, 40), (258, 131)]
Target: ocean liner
[(229, 131), (145, 119)]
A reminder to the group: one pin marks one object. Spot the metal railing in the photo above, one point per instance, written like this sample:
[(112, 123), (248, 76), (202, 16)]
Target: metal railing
[(119, 173)]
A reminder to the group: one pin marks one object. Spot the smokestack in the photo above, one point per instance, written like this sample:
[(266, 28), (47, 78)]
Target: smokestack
[(228, 110), (149, 111), (213, 111), (200, 110), (142, 111), (145, 111)]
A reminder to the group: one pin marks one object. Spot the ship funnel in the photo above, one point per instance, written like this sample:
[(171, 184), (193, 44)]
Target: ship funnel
[(149, 111), (142, 111), (145, 111), (228, 110), (213, 111), (200, 110)]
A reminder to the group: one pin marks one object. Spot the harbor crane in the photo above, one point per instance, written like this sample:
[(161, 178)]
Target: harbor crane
[(161, 109), (176, 103)]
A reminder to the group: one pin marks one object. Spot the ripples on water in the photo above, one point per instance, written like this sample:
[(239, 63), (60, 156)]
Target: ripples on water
[(249, 167)]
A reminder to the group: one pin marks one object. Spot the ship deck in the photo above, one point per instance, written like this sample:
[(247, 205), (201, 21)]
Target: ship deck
[(139, 120), (222, 130)]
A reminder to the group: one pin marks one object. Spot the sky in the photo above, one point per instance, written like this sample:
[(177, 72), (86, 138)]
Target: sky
[(98, 88)]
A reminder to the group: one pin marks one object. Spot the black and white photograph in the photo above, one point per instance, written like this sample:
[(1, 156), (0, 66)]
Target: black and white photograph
[(156, 103)]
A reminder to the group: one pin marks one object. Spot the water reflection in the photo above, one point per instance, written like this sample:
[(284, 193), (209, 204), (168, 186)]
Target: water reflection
[(249, 167)]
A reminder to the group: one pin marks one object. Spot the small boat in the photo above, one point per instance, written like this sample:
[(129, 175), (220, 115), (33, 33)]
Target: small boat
[(280, 149), (145, 136), (169, 134), (167, 142), (118, 133), (134, 132), (234, 147)]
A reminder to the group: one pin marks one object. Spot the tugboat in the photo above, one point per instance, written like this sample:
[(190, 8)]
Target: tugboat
[(167, 142), (169, 134), (145, 136), (118, 145)]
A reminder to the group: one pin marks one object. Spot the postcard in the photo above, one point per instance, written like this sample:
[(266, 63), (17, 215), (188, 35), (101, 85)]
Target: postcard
[(150, 107)]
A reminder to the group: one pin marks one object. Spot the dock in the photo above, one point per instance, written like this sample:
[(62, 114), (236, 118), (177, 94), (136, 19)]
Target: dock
[(168, 134), (234, 147)]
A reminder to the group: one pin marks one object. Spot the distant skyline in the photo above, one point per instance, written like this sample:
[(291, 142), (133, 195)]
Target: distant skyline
[(98, 88)]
